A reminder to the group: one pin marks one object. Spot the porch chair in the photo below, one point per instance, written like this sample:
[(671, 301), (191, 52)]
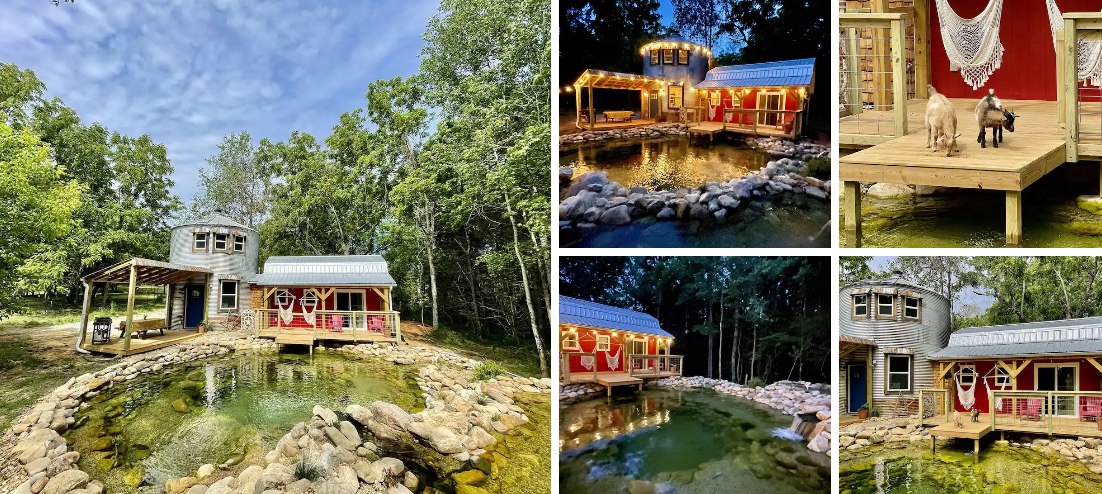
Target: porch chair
[(1092, 408), (101, 331), (375, 324), (336, 323), (1031, 410)]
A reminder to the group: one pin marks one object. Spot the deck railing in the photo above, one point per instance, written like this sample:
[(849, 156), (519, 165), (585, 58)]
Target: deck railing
[(872, 56), (933, 403), (654, 365), (1081, 102), (567, 358), (334, 324), (1051, 412), (735, 118)]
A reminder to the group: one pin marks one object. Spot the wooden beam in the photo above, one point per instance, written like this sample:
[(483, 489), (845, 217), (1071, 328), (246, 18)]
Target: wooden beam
[(852, 213), (130, 308), (922, 47), (1095, 363), (1013, 218), (899, 77), (86, 308), (1071, 90), (592, 115)]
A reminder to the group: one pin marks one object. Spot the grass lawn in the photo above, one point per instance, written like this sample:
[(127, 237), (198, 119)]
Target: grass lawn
[(38, 314), (518, 359)]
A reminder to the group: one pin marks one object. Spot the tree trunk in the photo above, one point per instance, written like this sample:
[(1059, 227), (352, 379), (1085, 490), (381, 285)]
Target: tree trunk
[(711, 337), (527, 289), (719, 369), (470, 280), (734, 350), (754, 352), (429, 249)]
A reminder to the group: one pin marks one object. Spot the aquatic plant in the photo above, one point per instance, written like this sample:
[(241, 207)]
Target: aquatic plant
[(488, 370), (307, 471)]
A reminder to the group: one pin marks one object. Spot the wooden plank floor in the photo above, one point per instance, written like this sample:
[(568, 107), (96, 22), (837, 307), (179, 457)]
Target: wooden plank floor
[(154, 341), (1061, 426), (359, 335), (713, 128)]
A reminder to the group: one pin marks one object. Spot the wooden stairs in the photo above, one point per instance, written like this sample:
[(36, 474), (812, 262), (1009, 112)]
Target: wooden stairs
[(296, 338)]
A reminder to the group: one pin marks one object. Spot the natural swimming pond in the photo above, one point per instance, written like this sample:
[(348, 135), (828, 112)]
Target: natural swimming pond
[(684, 440), (665, 163), (232, 409), (976, 218), (1001, 469)]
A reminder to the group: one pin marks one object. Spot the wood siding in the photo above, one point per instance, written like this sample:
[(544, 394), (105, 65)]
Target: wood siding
[(241, 265), (587, 341)]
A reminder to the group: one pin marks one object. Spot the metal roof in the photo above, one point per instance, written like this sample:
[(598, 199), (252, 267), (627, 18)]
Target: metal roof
[(785, 73), (214, 219), (147, 271), (1041, 338), (891, 281), (573, 311), (325, 271), (616, 80)]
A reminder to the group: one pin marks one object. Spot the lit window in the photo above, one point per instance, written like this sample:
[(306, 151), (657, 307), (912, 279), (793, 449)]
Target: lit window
[(910, 308), (227, 295), (676, 93), (603, 343), (683, 57), (899, 372), (238, 243), (639, 347), (861, 305), (655, 57), (667, 57), (885, 306), (570, 341), (199, 241), (221, 241)]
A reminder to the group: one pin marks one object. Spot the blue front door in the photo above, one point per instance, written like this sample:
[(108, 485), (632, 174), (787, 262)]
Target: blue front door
[(858, 392), (193, 305)]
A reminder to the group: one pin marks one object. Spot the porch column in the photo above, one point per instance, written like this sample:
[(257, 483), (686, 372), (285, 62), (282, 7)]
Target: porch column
[(86, 308), (169, 291), (206, 298), (130, 308), (592, 111), (868, 377), (577, 106)]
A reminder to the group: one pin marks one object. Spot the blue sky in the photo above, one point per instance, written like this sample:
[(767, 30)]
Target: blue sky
[(189, 72), (973, 303)]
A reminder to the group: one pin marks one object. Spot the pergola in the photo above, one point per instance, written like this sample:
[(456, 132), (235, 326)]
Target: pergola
[(137, 271), (602, 79)]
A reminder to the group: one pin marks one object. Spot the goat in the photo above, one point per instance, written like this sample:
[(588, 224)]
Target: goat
[(990, 113), (941, 123)]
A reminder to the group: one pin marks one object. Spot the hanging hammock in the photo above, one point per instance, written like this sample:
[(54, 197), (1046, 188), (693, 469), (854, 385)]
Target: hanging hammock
[(587, 361), (1090, 47), (613, 361), (972, 45), (967, 397), (286, 312), (309, 303), (712, 111)]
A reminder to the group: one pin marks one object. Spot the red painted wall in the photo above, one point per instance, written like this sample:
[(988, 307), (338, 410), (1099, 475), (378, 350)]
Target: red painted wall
[(372, 302), (749, 101), (1029, 63), (1088, 380), (619, 346)]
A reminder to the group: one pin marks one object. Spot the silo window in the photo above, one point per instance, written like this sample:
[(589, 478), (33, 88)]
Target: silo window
[(221, 242), (655, 57), (911, 307), (861, 305), (199, 241), (683, 57), (667, 57), (227, 295), (238, 243), (885, 306), (899, 372)]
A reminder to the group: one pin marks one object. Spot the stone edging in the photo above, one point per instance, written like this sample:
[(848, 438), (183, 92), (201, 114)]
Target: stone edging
[(647, 131)]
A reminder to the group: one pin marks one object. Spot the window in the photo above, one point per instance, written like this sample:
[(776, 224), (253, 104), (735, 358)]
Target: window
[(238, 243), (683, 57), (885, 306), (676, 93), (351, 301), (227, 295), (770, 100), (899, 372), (655, 57), (861, 305), (570, 341), (715, 98), (967, 375), (910, 307), (1002, 376), (221, 242), (667, 57), (603, 344), (663, 347), (199, 242), (639, 347), (284, 298)]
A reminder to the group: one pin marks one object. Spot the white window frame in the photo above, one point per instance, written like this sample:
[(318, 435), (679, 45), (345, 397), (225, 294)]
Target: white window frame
[(680, 99), (349, 322), (917, 308), (639, 341), (1002, 376), (238, 240), (196, 239), (888, 367), (570, 341), (222, 294), (864, 304), (284, 295), (604, 343), (225, 242), (970, 374), (762, 104), (879, 304), (662, 347)]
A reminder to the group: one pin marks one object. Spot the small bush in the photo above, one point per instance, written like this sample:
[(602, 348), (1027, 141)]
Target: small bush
[(755, 382), (818, 168), (306, 471), (488, 370)]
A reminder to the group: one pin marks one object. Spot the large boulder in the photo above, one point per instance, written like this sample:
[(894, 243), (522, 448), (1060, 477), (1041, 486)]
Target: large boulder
[(576, 205), (583, 182), (383, 419), (619, 215), (65, 482), (888, 191)]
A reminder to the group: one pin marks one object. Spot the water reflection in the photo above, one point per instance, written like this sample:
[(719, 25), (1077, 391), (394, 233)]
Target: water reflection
[(665, 163)]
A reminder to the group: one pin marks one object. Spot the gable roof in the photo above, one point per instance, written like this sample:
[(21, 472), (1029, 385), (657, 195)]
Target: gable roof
[(784, 73), (574, 311), (367, 270), (1063, 337)]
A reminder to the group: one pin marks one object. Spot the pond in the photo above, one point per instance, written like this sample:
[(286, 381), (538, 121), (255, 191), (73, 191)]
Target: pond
[(976, 218), (1001, 469), (684, 440), (234, 409)]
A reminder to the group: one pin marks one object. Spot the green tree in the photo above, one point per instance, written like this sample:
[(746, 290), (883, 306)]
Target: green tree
[(235, 182), (698, 20)]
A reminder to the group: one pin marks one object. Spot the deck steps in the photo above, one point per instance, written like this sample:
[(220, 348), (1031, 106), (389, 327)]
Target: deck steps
[(287, 338)]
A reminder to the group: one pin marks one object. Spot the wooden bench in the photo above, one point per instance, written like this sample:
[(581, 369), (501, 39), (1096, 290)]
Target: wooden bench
[(144, 326), (624, 115)]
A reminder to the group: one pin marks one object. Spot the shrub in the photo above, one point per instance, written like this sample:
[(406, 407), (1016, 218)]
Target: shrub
[(488, 370), (307, 471), (755, 382), (818, 168)]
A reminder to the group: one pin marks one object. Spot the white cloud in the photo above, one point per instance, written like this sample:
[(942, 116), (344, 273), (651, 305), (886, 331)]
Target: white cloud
[(187, 73)]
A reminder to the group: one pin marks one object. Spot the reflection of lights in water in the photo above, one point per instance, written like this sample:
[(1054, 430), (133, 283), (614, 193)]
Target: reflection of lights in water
[(881, 475)]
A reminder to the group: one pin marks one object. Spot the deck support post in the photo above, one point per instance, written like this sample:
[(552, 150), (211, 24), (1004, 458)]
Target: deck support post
[(1013, 218), (852, 213), (977, 449), (86, 308), (130, 308), (933, 444), (592, 111), (899, 77), (1071, 90)]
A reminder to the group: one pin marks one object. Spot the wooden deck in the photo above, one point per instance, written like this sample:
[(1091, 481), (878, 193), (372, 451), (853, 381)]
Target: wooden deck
[(1036, 148), (307, 336), (153, 341), (602, 125), (711, 129), (613, 379), (847, 419)]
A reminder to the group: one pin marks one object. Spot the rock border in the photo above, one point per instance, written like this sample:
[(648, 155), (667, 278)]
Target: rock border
[(643, 132)]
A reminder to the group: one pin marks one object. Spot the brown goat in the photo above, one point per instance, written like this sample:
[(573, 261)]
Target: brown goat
[(941, 123)]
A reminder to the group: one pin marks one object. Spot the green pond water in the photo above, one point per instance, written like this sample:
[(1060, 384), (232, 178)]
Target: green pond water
[(1002, 469), (235, 408), (669, 440), (792, 220), (521, 461), (977, 218)]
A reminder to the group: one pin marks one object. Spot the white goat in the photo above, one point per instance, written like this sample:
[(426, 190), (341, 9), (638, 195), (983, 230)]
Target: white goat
[(941, 123)]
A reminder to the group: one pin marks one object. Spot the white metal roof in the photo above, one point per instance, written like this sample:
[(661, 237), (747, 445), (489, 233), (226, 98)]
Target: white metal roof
[(591, 314), (1068, 336), (366, 270)]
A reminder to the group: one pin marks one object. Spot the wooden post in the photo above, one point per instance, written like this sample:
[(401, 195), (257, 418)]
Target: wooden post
[(86, 308), (868, 377), (592, 114), (1061, 114), (577, 106), (922, 47), (933, 444), (852, 213), (854, 75), (1013, 218), (168, 305), (899, 78), (130, 308), (882, 59), (1071, 90), (976, 456), (206, 299)]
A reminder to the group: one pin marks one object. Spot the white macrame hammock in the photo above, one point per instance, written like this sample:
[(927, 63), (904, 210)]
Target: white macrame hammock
[(613, 361), (587, 361), (712, 111), (1090, 47), (972, 45), (309, 303), (286, 313), (967, 397)]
